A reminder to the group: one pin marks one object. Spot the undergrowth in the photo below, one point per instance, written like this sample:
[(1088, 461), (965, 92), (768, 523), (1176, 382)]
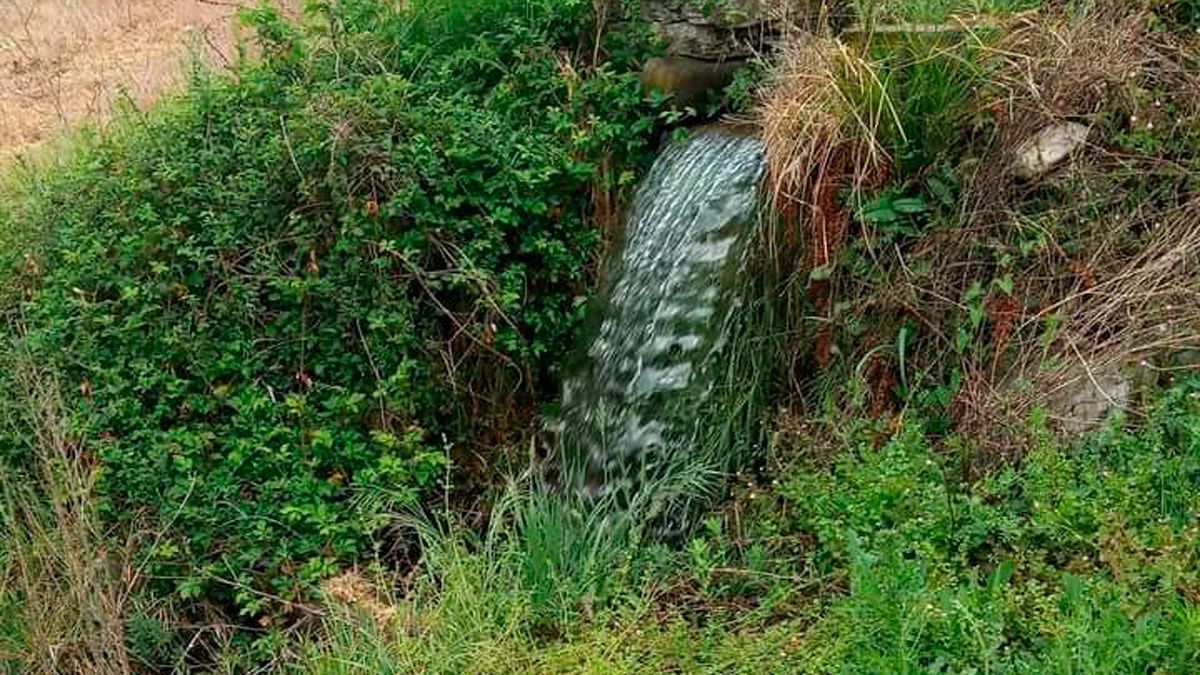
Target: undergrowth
[(66, 582), (267, 346), (935, 277), (876, 558)]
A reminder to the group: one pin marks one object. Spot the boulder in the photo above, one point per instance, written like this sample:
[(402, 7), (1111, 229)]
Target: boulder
[(1089, 399)]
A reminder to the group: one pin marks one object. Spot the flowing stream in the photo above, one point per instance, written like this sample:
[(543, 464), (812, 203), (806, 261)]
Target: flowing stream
[(638, 400)]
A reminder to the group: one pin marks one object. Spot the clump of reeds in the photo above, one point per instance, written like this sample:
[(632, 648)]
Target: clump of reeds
[(813, 125), (820, 141)]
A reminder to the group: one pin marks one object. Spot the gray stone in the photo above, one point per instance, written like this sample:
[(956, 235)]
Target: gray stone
[(1047, 149), (713, 31), (1184, 359), (1088, 400)]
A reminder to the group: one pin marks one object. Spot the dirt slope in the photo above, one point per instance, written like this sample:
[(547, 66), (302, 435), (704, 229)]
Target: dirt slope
[(65, 61)]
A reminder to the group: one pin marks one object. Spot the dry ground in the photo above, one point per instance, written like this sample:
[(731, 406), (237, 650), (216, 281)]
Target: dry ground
[(63, 62)]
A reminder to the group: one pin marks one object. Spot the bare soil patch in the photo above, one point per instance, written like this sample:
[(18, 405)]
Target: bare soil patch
[(63, 62)]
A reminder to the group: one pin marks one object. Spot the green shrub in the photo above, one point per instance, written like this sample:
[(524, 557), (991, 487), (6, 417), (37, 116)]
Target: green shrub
[(280, 297), (1081, 559)]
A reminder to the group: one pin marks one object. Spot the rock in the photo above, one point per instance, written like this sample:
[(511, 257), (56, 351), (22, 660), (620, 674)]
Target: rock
[(729, 29), (1046, 150), (687, 81), (1089, 400)]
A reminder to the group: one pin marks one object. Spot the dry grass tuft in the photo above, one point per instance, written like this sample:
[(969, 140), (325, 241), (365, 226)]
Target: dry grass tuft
[(67, 587), (819, 141), (353, 590), (813, 128), (1055, 67)]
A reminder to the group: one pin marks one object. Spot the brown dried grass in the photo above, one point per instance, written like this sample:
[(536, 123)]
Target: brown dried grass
[(1131, 292), (819, 141), (1056, 66), (812, 125), (1125, 309), (1115, 290), (354, 591), (1116, 280), (71, 586)]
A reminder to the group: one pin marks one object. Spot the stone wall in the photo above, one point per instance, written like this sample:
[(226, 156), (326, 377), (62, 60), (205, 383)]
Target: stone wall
[(712, 30)]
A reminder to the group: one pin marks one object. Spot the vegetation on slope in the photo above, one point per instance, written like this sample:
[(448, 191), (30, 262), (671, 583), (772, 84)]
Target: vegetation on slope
[(261, 338), (274, 304), (876, 558)]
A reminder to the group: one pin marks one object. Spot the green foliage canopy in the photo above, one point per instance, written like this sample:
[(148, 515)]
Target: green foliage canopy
[(277, 298)]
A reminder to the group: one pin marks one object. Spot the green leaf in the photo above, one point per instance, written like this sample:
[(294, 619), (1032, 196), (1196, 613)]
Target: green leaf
[(940, 190), (910, 205), (881, 215)]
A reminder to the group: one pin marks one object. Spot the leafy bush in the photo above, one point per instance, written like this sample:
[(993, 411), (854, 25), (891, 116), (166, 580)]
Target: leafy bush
[(279, 298), (1080, 560)]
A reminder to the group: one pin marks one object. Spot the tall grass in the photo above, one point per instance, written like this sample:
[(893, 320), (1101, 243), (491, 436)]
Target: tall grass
[(64, 586), (548, 563)]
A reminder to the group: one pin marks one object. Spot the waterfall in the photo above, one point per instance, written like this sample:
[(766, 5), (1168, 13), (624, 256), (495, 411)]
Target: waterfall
[(638, 401)]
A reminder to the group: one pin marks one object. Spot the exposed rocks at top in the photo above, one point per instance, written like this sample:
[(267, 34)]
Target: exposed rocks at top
[(707, 41), (711, 30)]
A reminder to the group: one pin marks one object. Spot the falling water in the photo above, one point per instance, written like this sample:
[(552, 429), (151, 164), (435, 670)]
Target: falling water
[(637, 402)]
